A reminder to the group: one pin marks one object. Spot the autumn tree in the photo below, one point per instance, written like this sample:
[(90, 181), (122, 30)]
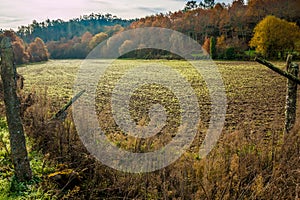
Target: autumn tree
[(97, 39), (257, 10), (221, 45), (273, 36), (206, 46), (111, 49), (19, 47), (38, 51), (126, 46), (110, 30), (237, 13), (86, 37), (81, 48), (20, 54)]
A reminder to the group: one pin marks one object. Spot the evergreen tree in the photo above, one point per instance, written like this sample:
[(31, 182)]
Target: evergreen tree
[(213, 49)]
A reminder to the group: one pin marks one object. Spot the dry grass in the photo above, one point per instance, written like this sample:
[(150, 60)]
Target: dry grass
[(240, 167), (253, 159)]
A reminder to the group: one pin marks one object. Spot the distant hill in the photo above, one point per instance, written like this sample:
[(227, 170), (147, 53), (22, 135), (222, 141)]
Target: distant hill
[(55, 30)]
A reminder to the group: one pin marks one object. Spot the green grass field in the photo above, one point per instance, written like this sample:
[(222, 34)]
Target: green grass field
[(255, 95)]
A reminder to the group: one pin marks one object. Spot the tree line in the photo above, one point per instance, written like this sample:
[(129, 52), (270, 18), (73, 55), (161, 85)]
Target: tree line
[(79, 47), (35, 51), (56, 30), (76, 37), (60, 39), (224, 31), (232, 31), (232, 26)]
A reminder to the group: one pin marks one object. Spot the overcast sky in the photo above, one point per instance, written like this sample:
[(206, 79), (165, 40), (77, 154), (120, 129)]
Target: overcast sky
[(14, 13)]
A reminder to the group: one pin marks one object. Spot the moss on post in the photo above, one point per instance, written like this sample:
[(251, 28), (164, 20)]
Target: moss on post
[(12, 106), (291, 97), (291, 73)]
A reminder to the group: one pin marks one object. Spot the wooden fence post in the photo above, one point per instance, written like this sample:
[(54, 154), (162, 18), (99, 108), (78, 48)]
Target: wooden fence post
[(291, 96), (292, 70), (12, 105)]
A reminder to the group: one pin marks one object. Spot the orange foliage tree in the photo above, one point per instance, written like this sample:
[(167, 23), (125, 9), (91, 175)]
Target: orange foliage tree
[(21, 56), (38, 51), (19, 47), (86, 37), (206, 46)]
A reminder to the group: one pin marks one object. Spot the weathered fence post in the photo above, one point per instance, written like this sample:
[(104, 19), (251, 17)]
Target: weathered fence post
[(291, 96), (12, 105)]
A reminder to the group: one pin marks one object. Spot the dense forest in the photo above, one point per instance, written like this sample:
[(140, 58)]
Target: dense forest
[(56, 30), (230, 25), (63, 39), (224, 31)]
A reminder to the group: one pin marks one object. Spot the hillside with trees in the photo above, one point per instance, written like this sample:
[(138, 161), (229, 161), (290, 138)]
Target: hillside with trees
[(231, 28), (232, 31), (56, 30), (231, 25), (35, 51), (63, 39)]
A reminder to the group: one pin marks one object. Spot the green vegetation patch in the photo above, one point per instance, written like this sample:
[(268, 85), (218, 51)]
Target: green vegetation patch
[(10, 188)]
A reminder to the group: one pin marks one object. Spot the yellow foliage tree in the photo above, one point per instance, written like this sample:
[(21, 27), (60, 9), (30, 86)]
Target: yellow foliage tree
[(97, 39), (273, 36), (126, 46)]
